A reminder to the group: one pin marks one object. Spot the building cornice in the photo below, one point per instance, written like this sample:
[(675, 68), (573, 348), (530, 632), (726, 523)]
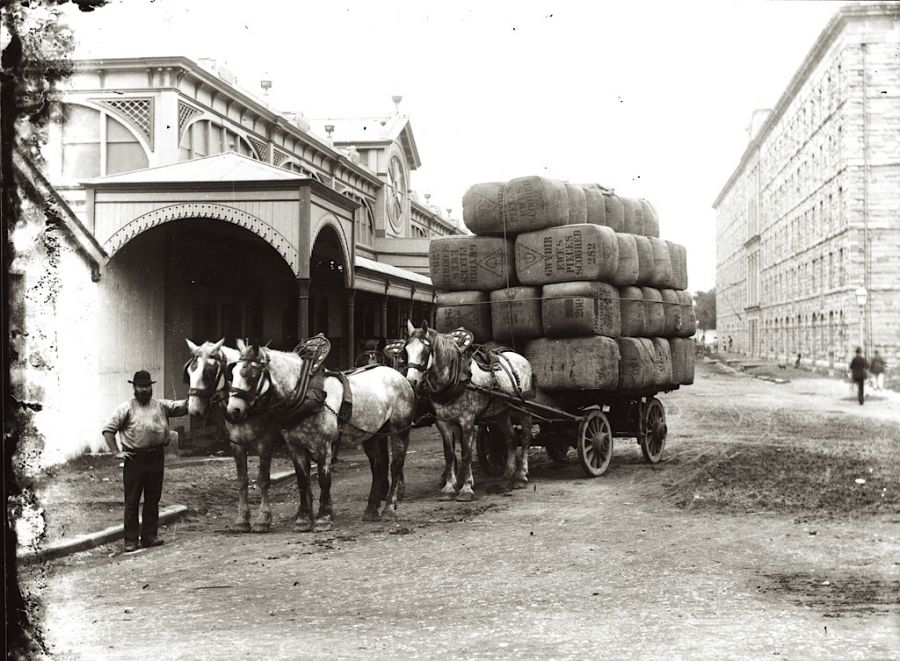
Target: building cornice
[(827, 37)]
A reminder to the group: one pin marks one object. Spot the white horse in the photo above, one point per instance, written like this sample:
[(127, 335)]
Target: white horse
[(383, 402), (439, 362), (205, 373)]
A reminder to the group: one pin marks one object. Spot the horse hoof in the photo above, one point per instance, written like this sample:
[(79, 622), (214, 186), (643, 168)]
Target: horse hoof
[(323, 526), (465, 496), (390, 513), (446, 495), (242, 526), (261, 527), (520, 484), (303, 526), (369, 515)]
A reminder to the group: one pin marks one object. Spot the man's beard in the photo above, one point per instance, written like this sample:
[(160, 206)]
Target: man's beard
[(143, 397)]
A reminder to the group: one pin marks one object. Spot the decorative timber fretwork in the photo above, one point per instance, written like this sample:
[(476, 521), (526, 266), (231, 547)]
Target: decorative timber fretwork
[(137, 112), (185, 114), (261, 147), (278, 157), (204, 210)]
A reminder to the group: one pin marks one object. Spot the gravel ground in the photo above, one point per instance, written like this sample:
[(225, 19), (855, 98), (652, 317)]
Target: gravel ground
[(628, 566)]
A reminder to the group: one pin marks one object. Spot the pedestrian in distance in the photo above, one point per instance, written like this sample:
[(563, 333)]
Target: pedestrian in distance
[(797, 362), (142, 424), (858, 367), (877, 369)]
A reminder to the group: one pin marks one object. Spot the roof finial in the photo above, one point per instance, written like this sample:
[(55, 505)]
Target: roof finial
[(397, 98)]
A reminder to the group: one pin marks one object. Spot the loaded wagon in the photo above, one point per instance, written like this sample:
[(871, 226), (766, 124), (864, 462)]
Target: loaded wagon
[(587, 420)]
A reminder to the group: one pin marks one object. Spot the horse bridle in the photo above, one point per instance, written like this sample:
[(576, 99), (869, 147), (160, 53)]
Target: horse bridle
[(252, 395), (220, 379), (426, 354)]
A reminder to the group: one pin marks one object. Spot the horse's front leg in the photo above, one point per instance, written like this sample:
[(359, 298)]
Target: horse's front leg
[(399, 445), (502, 425), (523, 445), (377, 452), (263, 521), (467, 447), (449, 432), (325, 517), (304, 521), (242, 522)]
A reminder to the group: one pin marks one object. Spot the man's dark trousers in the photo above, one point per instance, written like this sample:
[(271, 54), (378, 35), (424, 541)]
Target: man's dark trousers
[(859, 390), (143, 473)]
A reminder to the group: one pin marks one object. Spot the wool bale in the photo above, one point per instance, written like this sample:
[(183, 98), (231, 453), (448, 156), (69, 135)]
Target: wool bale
[(654, 317), (578, 363), (662, 264), (682, 350), (469, 309), (533, 203), (483, 208), (646, 263), (678, 258), (649, 219), (636, 364), (567, 253), (628, 269), (596, 206), (577, 204), (688, 316), (516, 314), (631, 307), (672, 312), (465, 263), (573, 309), (634, 223), (663, 362), (615, 211)]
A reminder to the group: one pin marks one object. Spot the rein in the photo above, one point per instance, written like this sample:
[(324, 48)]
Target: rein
[(459, 372)]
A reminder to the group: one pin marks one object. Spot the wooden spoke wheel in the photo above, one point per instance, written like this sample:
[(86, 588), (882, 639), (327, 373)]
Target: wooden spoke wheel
[(595, 443), (491, 449), (653, 431)]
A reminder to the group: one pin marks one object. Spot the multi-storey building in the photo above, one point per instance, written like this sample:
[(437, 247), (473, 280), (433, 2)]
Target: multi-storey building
[(191, 209), (808, 225)]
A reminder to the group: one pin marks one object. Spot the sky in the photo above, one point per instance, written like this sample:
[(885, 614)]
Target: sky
[(650, 98)]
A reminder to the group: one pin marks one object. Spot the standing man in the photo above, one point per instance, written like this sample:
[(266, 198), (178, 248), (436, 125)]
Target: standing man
[(143, 426), (858, 368), (877, 369)]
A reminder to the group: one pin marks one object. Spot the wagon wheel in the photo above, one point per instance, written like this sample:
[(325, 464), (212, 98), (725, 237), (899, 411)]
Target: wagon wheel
[(491, 449), (595, 443), (653, 430)]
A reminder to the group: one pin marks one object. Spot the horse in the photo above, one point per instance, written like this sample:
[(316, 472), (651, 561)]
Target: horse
[(313, 423), (206, 374), (438, 363)]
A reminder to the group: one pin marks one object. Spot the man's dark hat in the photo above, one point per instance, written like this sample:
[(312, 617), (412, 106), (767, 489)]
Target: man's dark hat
[(142, 378)]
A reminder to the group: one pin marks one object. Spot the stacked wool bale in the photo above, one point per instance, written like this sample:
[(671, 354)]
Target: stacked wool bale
[(576, 278)]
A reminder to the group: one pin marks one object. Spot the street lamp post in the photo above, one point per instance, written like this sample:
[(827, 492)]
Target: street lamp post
[(861, 297)]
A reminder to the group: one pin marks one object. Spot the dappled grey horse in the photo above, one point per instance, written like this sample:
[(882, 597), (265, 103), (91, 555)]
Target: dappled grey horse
[(442, 364), (383, 403)]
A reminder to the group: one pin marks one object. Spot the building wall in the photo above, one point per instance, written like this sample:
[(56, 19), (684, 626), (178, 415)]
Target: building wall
[(812, 212)]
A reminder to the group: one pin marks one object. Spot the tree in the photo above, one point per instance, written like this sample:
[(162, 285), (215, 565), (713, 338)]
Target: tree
[(705, 303)]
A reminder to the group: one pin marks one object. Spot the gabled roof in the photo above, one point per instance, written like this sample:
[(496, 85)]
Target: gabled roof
[(227, 166), (371, 132)]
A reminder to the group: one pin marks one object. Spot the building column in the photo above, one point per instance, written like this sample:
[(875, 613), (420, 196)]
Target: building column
[(302, 308), (351, 327), (384, 316)]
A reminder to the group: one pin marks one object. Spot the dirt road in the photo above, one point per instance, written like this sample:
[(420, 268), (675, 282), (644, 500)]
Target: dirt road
[(642, 563)]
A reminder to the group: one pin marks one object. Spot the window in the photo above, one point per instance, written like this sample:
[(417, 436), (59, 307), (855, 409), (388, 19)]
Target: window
[(203, 138), (123, 151), (81, 142)]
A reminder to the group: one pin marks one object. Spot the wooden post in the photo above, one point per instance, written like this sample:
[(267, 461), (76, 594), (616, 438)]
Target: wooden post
[(302, 308), (384, 314), (351, 323)]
